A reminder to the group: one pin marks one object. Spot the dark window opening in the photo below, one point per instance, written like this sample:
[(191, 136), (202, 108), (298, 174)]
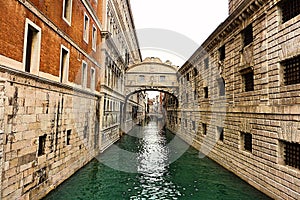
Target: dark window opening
[(185, 122), (222, 53), (205, 92), (220, 133), (42, 145), (194, 125), (247, 141), (204, 128), (206, 63), (195, 71), (289, 9), (31, 34), (195, 94), (248, 79), (188, 77), (292, 154), (63, 64), (291, 71), (248, 35), (68, 137), (221, 84)]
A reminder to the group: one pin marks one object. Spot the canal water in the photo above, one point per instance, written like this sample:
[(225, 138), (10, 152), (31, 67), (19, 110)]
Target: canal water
[(149, 171)]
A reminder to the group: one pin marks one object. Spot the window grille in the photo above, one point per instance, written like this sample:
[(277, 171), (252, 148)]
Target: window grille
[(292, 154), (289, 9), (248, 35), (291, 70)]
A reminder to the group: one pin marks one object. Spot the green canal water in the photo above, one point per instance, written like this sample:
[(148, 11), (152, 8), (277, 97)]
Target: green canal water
[(146, 164)]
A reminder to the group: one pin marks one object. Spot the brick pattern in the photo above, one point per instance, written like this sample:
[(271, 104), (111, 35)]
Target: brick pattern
[(270, 113)]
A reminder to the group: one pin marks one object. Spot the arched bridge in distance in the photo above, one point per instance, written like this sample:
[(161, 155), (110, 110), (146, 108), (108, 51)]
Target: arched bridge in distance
[(151, 75)]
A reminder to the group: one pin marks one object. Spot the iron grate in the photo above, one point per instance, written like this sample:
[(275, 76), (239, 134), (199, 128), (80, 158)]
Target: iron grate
[(292, 154), (289, 9), (291, 71)]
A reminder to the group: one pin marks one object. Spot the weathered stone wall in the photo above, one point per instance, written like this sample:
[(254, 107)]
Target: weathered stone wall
[(34, 108), (270, 113)]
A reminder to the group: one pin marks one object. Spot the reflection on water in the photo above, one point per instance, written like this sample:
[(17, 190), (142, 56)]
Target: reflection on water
[(155, 177)]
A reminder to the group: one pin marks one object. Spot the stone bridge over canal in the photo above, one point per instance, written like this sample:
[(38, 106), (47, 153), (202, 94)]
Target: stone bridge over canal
[(151, 75)]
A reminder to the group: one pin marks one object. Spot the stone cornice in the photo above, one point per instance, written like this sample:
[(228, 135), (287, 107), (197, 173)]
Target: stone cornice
[(243, 12)]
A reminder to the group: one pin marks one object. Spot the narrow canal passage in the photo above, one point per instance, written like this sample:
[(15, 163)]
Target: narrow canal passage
[(189, 177)]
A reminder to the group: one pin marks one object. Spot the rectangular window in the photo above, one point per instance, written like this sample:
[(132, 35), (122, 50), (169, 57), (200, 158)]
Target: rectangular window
[(42, 145), (64, 64), (195, 94), (84, 74), (162, 78), (222, 53), (93, 78), (195, 70), (67, 11), (185, 123), (32, 47), (246, 141), (86, 24), (220, 133), (221, 86), (205, 90), (206, 63), (141, 78), (188, 77), (68, 137), (204, 129), (248, 35), (289, 9), (291, 70), (94, 38), (194, 125), (248, 79), (292, 154)]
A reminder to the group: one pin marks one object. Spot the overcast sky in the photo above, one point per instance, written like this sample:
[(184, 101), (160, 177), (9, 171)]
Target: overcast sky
[(189, 23)]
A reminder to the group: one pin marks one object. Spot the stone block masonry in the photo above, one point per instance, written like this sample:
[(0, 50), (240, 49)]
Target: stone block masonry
[(43, 134)]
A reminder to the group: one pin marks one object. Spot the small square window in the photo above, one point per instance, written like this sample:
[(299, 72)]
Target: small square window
[(246, 141), (291, 154), (162, 78), (291, 70)]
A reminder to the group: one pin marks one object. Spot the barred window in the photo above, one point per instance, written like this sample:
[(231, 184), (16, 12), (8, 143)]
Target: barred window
[(248, 35), (220, 132), (289, 9), (248, 79), (247, 141), (222, 53), (291, 71), (292, 154)]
